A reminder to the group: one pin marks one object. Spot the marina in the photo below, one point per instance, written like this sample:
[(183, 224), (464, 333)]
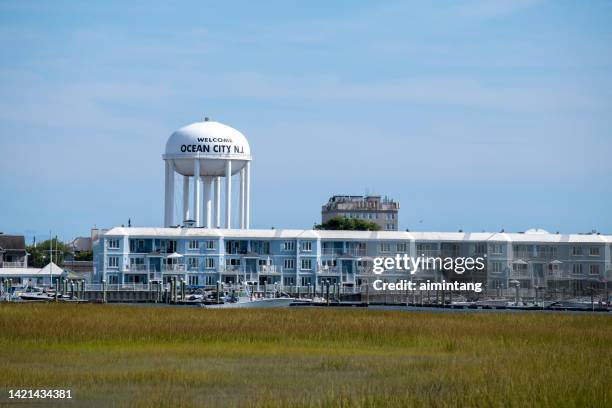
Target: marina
[(234, 296)]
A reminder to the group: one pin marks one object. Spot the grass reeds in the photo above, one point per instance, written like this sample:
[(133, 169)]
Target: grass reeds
[(150, 356)]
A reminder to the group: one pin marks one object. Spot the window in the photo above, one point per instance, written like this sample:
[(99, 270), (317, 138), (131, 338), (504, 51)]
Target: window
[(496, 267), (289, 281), (547, 251), (480, 248), (594, 269), (210, 244), (553, 268), (576, 251), (594, 251), (193, 280), (193, 244), (306, 264), (362, 264), (192, 262), (328, 264), (136, 261), (168, 246), (385, 247), (232, 262), (288, 246), (113, 261), (402, 247), (137, 264), (307, 246), (113, 244), (137, 245), (577, 269), (289, 264), (210, 263), (497, 249)]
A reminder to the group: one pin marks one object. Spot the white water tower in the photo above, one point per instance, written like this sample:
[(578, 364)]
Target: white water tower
[(204, 153)]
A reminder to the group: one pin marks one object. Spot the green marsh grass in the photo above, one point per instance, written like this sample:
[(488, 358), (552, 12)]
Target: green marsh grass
[(155, 356)]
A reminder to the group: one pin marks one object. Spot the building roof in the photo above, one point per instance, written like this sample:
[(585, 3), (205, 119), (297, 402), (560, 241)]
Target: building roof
[(538, 236), (81, 244), (50, 270), (12, 242)]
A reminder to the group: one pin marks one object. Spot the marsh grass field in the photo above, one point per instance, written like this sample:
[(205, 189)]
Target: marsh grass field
[(180, 357)]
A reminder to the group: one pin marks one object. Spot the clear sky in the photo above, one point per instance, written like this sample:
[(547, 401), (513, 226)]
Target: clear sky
[(475, 115)]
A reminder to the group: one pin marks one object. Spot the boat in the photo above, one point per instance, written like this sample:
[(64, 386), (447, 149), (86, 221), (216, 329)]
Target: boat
[(247, 300)]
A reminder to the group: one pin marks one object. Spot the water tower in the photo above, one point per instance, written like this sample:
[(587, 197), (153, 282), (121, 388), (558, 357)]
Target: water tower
[(204, 153)]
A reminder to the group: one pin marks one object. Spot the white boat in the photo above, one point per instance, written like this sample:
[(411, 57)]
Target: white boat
[(247, 302), (31, 293)]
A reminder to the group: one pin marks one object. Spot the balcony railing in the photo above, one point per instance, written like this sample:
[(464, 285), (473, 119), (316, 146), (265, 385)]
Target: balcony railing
[(136, 268), (267, 269), (173, 268), (13, 265), (344, 252), (328, 271)]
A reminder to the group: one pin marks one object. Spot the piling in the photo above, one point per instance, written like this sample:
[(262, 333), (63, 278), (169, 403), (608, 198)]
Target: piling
[(57, 287), (103, 290), (218, 289)]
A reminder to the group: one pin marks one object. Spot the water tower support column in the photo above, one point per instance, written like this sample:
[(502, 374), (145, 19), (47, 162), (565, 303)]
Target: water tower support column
[(228, 194), (185, 198), (196, 192), (241, 200), (208, 187), (247, 195), (169, 194), (217, 202)]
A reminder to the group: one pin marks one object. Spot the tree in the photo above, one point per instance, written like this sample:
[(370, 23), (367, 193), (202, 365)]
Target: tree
[(347, 224), (84, 256), (39, 255)]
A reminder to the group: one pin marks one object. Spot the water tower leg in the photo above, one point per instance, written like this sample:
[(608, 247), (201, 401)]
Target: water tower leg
[(228, 194), (241, 200), (185, 198), (247, 195), (217, 202), (208, 187), (169, 195), (196, 192)]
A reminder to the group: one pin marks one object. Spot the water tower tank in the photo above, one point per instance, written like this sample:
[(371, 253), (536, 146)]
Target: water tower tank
[(212, 143)]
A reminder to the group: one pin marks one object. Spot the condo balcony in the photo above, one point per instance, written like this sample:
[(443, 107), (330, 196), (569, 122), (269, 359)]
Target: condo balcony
[(339, 252), (21, 264)]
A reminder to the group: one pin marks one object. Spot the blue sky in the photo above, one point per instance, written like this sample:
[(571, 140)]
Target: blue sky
[(475, 115)]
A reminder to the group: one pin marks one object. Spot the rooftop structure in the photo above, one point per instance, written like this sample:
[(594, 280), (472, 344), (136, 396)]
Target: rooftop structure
[(382, 211)]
